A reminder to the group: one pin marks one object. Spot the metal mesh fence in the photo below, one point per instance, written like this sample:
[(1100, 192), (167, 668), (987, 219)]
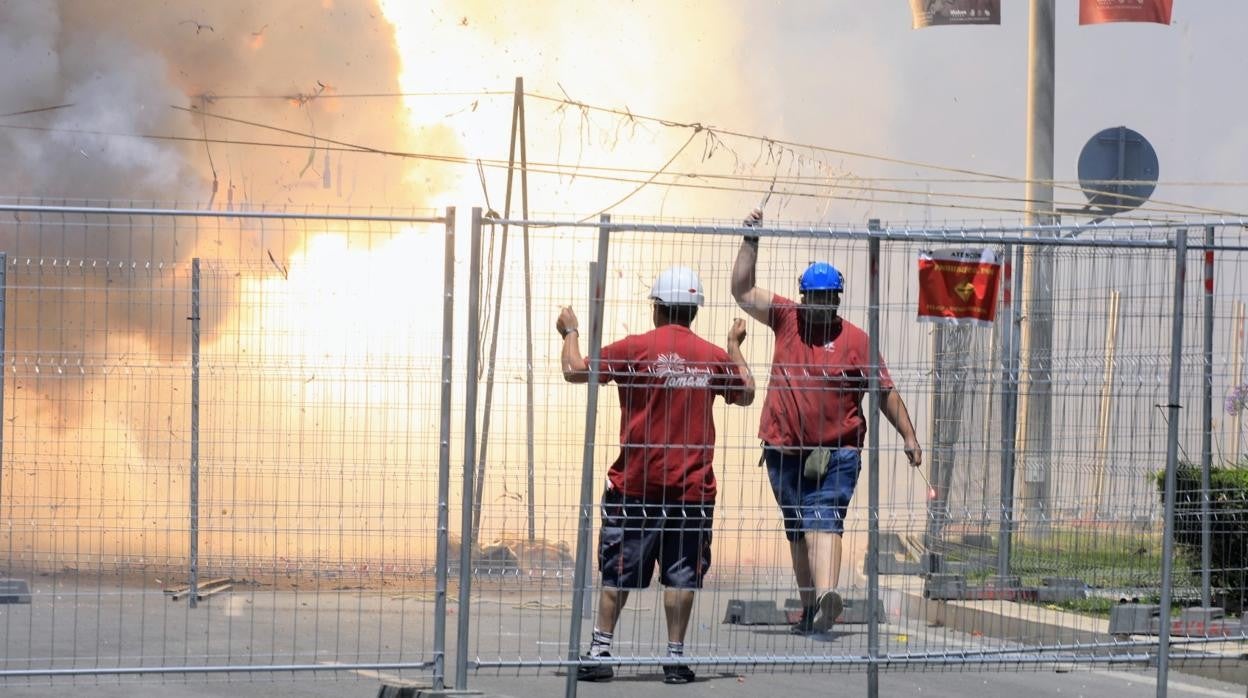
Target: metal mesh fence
[(1087, 522), (219, 465), (263, 408)]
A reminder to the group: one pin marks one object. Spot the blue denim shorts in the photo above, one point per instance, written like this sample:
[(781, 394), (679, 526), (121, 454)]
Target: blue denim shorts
[(808, 504)]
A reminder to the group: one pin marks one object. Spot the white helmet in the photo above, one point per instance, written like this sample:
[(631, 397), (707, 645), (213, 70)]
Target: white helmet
[(677, 286)]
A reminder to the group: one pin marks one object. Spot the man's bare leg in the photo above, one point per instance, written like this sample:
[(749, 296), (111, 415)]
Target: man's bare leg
[(610, 603), (677, 606), (825, 559), (802, 573)]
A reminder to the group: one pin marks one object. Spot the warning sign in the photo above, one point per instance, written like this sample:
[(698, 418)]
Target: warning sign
[(958, 286)]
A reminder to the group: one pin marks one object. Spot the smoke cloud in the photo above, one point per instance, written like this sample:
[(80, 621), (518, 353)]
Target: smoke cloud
[(144, 104)]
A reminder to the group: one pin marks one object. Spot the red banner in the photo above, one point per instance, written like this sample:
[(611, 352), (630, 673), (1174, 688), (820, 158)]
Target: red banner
[(1101, 11), (958, 286), (931, 13)]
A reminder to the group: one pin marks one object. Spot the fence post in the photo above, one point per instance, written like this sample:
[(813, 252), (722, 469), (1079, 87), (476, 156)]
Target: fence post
[(470, 447), (488, 407), (1172, 458), (585, 526), (1237, 371), (1011, 344), (873, 464), (444, 454), (192, 599), (1206, 432)]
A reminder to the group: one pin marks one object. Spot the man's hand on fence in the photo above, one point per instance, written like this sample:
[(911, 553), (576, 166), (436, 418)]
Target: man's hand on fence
[(754, 220)]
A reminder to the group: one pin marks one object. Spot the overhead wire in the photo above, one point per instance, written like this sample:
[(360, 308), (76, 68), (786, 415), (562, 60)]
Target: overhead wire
[(696, 130), (857, 154), (973, 176), (643, 185), (362, 95), (538, 168), (824, 182), (535, 168), (37, 110), (211, 165)]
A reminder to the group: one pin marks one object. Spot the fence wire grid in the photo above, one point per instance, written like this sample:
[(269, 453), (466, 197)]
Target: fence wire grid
[(241, 442)]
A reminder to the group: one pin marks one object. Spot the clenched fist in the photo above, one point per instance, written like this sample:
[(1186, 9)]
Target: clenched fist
[(567, 322), (753, 220)]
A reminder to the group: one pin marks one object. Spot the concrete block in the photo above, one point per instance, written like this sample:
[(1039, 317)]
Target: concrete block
[(14, 591), (1134, 619), (998, 588), (895, 556), (1197, 614), (1145, 619), (855, 612), (398, 690), (411, 690), (1204, 622), (944, 587), (1058, 589), (742, 612), (892, 564)]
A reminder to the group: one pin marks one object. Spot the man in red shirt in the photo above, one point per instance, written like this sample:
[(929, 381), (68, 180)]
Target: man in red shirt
[(660, 497), (812, 426)]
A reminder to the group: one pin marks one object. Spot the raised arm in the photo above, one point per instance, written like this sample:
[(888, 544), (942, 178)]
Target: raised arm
[(755, 301), (575, 368), (894, 409), (735, 336)]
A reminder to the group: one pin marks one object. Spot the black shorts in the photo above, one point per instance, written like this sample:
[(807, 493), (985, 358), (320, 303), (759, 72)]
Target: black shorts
[(636, 534)]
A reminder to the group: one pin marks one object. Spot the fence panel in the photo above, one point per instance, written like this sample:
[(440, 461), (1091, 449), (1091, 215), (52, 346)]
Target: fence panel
[(297, 476), (1086, 506), (259, 405)]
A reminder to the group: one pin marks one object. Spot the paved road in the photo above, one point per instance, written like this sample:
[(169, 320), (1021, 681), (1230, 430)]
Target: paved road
[(98, 625), (955, 684)]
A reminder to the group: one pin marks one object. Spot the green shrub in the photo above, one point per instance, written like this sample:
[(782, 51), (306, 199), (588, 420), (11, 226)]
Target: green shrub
[(1228, 528)]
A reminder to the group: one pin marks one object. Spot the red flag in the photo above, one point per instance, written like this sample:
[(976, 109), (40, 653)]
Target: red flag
[(931, 13), (958, 286), (1101, 11)]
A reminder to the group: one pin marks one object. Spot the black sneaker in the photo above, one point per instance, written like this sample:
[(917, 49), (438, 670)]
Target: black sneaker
[(595, 672), (830, 607), (804, 625), (678, 673)]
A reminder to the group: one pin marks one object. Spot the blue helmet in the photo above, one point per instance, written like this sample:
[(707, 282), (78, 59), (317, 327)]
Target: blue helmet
[(821, 276)]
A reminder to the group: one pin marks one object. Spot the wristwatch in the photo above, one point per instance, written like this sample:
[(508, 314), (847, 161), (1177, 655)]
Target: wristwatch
[(568, 331)]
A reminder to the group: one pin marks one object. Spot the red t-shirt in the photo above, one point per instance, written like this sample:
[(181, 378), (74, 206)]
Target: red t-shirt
[(814, 395), (668, 379)]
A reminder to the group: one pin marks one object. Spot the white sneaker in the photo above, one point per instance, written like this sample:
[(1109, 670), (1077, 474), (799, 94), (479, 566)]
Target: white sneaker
[(830, 607)]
